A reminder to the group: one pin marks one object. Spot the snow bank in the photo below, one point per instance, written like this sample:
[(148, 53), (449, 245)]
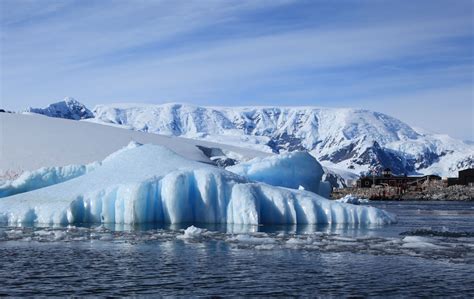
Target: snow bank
[(292, 170), (43, 177), (151, 183), (352, 199)]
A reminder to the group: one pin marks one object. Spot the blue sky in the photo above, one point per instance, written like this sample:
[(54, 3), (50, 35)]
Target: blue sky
[(411, 59)]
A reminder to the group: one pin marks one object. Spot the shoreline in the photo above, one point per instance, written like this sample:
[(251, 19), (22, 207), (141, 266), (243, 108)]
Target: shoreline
[(429, 193), (415, 199)]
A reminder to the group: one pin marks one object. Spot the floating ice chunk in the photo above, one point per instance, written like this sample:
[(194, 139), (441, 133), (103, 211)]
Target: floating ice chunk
[(252, 240), (59, 235), (192, 232), (298, 241), (106, 238), (43, 177), (265, 247), (415, 242), (150, 183), (343, 239), (353, 199), (294, 170)]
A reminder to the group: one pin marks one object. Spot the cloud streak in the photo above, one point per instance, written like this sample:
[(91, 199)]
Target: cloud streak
[(236, 52)]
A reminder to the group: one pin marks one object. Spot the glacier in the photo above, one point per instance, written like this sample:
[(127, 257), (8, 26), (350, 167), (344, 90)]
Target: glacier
[(150, 183)]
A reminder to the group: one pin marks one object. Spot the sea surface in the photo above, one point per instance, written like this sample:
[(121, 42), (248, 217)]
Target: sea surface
[(429, 252)]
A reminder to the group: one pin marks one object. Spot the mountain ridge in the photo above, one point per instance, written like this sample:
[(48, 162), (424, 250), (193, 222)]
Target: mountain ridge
[(348, 139), (353, 139)]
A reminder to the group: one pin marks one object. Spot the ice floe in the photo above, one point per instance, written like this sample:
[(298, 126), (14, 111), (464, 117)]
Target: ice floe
[(452, 249)]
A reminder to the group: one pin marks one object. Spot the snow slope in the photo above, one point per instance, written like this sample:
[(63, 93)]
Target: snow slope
[(151, 183), (351, 139), (29, 142)]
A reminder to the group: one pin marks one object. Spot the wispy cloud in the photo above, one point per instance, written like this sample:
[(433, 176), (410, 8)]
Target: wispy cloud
[(235, 52)]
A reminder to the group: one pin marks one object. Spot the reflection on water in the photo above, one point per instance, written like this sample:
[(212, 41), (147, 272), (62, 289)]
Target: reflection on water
[(352, 229), (345, 229), (429, 252), (245, 229)]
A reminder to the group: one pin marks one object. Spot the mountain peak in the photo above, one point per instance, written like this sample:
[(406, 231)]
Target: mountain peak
[(68, 108), (71, 100)]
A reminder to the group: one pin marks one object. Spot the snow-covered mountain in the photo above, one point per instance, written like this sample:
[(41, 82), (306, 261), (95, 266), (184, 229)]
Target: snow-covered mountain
[(68, 108), (347, 139)]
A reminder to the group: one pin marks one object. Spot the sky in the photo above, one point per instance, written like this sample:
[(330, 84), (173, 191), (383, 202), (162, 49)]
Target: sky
[(413, 60)]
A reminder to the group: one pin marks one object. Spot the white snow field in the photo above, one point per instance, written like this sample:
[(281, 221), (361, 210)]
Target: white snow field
[(32, 141), (151, 183)]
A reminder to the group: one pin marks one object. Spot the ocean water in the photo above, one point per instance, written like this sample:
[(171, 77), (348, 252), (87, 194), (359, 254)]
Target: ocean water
[(429, 252)]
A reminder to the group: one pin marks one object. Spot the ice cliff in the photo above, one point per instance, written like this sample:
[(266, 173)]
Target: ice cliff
[(151, 183)]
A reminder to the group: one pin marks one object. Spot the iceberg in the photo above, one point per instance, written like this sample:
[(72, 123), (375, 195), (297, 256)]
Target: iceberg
[(325, 189), (192, 232), (351, 199), (43, 177), (295, 170), (150, 183)]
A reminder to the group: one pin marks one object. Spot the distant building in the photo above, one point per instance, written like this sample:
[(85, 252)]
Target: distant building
[(450, 181), (388, 179), (465, 177)]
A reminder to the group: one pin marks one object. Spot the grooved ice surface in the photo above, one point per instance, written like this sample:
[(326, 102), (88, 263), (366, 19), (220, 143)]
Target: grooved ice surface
[(290, 170), (151, 183), (43, 177)]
